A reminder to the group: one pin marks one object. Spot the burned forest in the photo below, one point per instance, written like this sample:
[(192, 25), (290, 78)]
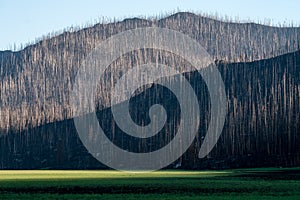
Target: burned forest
[(259, 64)]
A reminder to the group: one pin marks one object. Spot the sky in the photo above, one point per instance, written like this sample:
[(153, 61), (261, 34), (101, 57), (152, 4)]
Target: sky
[(23, 21)]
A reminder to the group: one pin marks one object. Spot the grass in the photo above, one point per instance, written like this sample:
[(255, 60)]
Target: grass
[(264, 183)]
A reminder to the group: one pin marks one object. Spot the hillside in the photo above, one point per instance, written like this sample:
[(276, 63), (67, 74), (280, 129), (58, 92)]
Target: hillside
[(261, 128), (37, 80), (259, 65)]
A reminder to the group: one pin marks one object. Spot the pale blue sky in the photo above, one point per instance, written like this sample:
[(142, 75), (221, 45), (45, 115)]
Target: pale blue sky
[(22, 21)]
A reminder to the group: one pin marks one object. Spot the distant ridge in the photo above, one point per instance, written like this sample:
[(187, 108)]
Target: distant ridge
[(185, 21)]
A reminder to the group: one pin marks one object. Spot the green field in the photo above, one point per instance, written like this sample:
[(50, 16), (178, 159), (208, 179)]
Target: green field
[(266, 183)]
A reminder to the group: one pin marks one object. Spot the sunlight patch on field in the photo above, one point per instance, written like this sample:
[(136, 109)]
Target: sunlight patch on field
[(100, 174)]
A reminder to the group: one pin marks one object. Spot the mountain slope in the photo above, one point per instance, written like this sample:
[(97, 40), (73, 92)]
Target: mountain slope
[(36, 81), (261, 128)]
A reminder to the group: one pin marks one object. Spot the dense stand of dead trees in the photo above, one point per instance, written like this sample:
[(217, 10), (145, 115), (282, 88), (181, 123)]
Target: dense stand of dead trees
[(263, 97)]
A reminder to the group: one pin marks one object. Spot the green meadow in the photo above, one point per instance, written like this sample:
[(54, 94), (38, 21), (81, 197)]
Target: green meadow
[(265, 183)]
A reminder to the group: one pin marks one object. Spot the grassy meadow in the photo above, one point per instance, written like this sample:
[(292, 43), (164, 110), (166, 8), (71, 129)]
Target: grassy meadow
[(262, 183)]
